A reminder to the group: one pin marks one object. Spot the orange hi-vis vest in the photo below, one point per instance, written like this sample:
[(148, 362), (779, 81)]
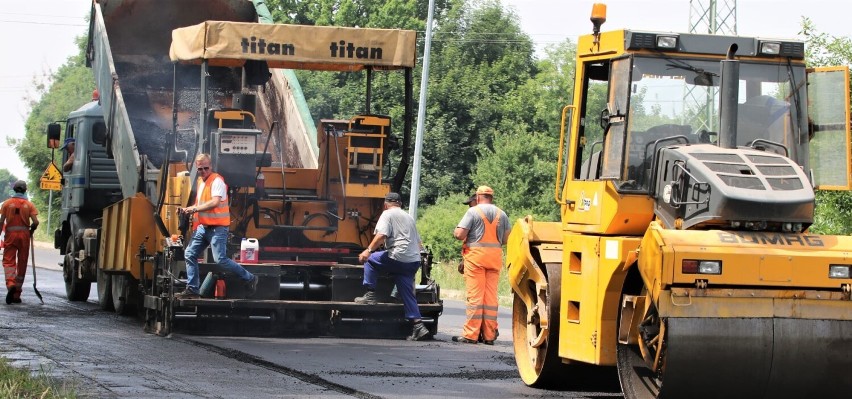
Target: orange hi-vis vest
[(486, 251), (18, 214), (218, 216)]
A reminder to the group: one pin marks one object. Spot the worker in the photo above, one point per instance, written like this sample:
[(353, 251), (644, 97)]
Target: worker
[(70, 145), (484, 228), (396, 229), (211, 219), (471, 202), (19, 218)]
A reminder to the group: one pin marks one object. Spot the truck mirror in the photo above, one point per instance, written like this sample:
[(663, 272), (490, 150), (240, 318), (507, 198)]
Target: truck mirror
[(53, 133), (99, 133)]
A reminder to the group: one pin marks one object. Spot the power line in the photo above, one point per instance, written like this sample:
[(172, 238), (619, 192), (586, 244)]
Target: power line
[(41, 23), (39, 15)]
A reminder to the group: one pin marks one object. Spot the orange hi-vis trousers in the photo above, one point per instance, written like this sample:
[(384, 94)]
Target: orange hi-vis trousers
[(480, 282), (483, 261), (16, 253)]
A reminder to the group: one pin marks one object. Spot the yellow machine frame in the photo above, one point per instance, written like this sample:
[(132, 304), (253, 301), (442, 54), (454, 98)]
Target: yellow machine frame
[(598, 242)]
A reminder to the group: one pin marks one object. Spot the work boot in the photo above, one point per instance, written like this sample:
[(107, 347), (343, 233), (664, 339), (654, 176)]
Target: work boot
[(10, 296), (482, 337), (490, 341), (187, 294), (419, 332), (251, 286), (463, 340), (368, 299)]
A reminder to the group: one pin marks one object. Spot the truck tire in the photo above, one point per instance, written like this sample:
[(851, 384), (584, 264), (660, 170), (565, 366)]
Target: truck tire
[(123, 292), (104, 291), (75, 290)]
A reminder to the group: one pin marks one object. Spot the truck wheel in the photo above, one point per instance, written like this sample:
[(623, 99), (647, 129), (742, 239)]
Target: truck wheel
[(75, 290), (104, 290), (122, 294)]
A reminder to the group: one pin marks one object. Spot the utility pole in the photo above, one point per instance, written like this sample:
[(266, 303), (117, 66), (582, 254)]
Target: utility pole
[(421, 116), (709, 17)]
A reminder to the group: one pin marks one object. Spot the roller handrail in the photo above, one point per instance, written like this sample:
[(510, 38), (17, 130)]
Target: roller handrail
[(557, 188)]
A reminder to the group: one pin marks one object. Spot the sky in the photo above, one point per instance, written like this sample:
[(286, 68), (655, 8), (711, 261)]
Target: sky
[(38, 37)]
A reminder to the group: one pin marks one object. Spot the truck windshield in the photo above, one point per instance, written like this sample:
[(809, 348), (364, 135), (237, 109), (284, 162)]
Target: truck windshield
[(680, 97)]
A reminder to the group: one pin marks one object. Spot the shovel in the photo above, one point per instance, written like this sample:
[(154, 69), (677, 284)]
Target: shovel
[(32, 259)]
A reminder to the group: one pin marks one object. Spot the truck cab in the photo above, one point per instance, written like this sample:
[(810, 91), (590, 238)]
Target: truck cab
[(89, 186)]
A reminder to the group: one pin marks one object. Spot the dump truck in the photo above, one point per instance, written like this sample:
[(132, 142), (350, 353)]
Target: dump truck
[(179, 78), (686, 180)]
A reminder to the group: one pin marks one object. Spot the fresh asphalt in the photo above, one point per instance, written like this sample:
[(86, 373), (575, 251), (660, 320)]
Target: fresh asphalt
[(105, 355)]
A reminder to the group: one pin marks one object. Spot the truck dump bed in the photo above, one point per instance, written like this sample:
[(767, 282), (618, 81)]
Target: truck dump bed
[(128, 52)]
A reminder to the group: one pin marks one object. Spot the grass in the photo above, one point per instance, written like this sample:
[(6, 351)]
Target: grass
[(452, 283), (20, 384)]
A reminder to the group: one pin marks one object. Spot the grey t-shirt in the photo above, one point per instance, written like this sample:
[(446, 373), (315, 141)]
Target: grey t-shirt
[(472, 221), (403, 241)]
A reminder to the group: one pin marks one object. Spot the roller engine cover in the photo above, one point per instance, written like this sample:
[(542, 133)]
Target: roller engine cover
[(704, 185)]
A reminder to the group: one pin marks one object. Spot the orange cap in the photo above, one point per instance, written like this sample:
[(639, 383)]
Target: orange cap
[(484, 190)]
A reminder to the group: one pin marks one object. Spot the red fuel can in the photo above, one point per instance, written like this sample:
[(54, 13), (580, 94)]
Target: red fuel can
[(220, 289)]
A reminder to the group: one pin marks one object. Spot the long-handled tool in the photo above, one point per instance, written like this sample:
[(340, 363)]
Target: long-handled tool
[(32, 259)]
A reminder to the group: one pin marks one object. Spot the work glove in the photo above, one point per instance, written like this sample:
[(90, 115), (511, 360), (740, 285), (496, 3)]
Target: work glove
[(32, 230), (461, 267)]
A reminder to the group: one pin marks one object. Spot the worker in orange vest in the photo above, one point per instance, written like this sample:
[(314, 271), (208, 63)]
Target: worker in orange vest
[(18, 216), (211, 220), (484, 228)]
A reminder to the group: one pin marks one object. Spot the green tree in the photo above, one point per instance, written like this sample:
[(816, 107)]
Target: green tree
[(521, 165), (7, 179), (833, 208), (822, 49), (480, 57), (436, 224), (521, 170)]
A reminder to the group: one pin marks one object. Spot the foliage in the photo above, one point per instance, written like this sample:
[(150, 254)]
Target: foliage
[(521, 165), (521, 172), (480, 59), (822, 49), (437, 222), (833, 213), (18, 383), (833, 209), (7, 179)]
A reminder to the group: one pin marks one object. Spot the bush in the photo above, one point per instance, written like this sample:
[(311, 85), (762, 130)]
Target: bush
[(436, 224)]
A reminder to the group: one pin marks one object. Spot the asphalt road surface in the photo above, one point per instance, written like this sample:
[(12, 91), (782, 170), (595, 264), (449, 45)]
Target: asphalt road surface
[(105, 355)]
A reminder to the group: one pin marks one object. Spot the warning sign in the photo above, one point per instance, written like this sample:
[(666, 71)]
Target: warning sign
[(51, 179)]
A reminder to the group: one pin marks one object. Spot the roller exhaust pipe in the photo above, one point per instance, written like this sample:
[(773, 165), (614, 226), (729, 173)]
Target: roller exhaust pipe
[(729, 97)]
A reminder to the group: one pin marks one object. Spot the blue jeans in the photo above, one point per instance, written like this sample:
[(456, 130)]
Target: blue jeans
[(217, 238), (403, 274)]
